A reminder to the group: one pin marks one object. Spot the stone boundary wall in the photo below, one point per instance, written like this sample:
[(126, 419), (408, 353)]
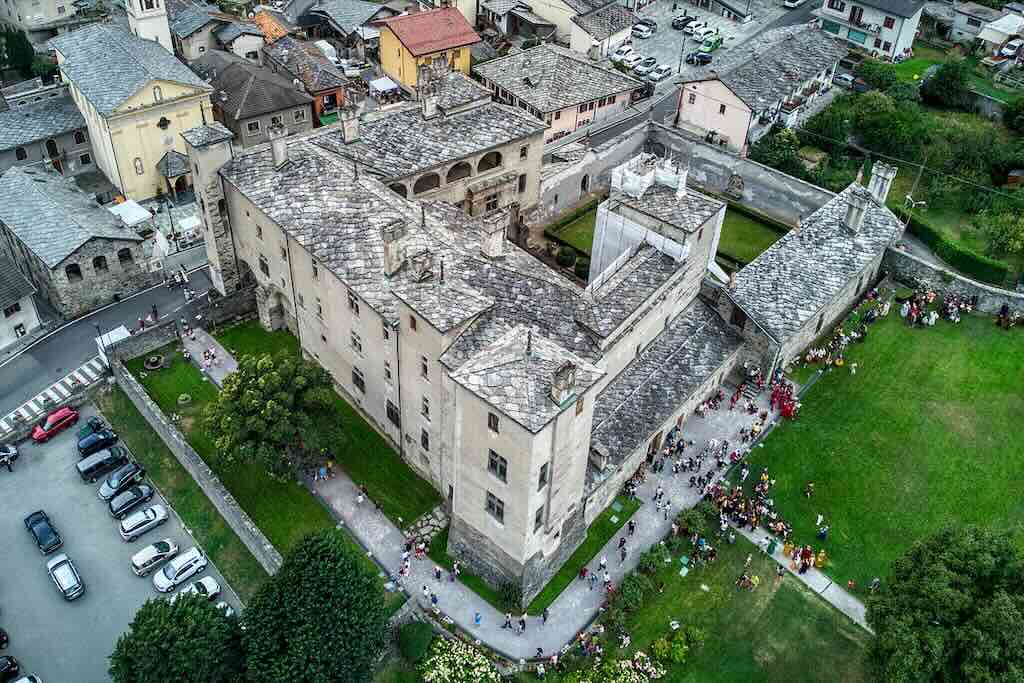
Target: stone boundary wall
[(230, 510), (912, 271)]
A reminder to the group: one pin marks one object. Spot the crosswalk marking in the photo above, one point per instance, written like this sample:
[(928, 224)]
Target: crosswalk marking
[(88, 373), (53, 395)]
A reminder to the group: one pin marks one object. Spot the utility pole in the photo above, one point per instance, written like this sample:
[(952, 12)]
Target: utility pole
[(682, 51)]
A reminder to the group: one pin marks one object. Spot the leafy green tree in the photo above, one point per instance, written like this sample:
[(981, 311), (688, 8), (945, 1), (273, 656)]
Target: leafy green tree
[(189, 640), (44, 68), (1003, 231), (830, 128), (949, 85), (901, 91), (275, 411), (20, 53), (320, 619), (952, 611), (880, 75), (889, 128), (1013, 115), (780, 149)]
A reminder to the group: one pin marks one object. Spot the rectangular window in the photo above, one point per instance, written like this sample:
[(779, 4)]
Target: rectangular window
[(284, 254), (12, 309), (583, 108), (886, 46), (524, 152), (85, 160), (353, 304), (425, 407), (357, 380), (522, 183), (542, 479), (601, 102), (495, 507), (492, 203), (721, 109), (497, 466), (878, 42), (387, 332), (19, 331), (316, 271), (692, 99), (264, 266), (424, 367), (837, 5), (259, 232), (412, 323), (425, 440), (974, 22), (889, 22), (302, 302), (387, 370), (299, 116), (393, 417), (538, 519), (319, 308), (700, 234), (558, 115), (357, 342), (253, 127), (492, 422)]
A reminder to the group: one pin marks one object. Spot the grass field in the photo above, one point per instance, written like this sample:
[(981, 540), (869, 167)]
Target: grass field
[(580, 233), (922, 436), (912, 70)]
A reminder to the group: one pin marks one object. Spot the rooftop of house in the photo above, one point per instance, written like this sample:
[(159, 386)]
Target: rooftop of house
[(207, 134), (445, 304), (551, 78), (900, 8), (39, 121), (307, 63), (173, 164), (791, 281), (243, 89), (650, 389), (772, 72), (229, 32), (456, 89), (688, 213), (14, 286), (51, 216), (977, 11), (348, 15), (273, 24), (185, 17), (585, 6), (426, 32), (605, 22), (515, 373), (108, 64), (400, 143)]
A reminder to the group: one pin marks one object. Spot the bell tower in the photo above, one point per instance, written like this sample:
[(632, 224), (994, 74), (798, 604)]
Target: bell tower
[(148, 19)]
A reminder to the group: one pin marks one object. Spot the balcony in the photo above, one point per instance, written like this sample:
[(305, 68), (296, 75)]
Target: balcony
[(844, 19)]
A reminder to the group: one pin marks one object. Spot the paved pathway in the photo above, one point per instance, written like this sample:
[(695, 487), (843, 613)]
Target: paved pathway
[(201, 341)]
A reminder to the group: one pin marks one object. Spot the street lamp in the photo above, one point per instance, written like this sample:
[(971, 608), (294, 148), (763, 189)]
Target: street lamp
[(103, 346)]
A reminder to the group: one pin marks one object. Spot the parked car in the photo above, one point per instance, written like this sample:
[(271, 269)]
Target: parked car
[(30, 678), (704, 33), (692, 27), (179, 570), (642, 31), (65, 576), (153, 555), (642, 93), (93, 424), (621, 53), (138, 523), (46, 536), (124, 502), (99, 464), (793, 4), (647, 21), (631, 61), (645, 66), (54, 423), (711, 43), (679, 23), (860, 85), (698, 58), (227, 609), (843, 80), (8, 450), (1012, 48), (120, 479), (97, 441), (206, 587), (9, 668), (659, 73)]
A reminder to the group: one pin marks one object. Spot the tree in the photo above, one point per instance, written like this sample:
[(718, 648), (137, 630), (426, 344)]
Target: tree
[(189, 640), (276, 411), (20, 53), (780, 150), (44, 68), (320, 619), (880, 75), (1003, 231), (952, 611), (1013, 115), (949, 85)]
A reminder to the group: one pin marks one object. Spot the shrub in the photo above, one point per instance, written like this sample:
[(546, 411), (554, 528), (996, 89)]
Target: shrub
[(511, 596), (949, 85), (566, 256), (634, 590), (695, 636), (691, 521), (1013, 115), (677, 544), (963, 259), (652, 560), (453, 661), (661, 650), (414, 641), (582, 268), (614, 618), (881, 75)]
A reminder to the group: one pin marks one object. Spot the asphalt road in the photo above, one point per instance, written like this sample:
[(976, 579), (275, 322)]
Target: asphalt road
[(69, 642), (49, 359)]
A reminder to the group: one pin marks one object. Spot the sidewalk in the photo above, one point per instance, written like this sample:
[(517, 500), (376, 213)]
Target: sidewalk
[(202, 341)]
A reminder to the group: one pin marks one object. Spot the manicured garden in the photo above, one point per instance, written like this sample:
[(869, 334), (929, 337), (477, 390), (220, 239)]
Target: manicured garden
[(920, 437), (580, 232)]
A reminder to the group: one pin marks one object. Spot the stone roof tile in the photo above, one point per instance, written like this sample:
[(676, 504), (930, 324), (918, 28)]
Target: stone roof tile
[(39, 121)]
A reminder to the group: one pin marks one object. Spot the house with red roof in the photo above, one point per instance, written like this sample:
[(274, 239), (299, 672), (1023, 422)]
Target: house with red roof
[(431, 38)]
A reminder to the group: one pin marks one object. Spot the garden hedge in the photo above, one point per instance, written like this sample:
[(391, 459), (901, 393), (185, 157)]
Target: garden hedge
[(568, 218), (414, 641), (963, 259)]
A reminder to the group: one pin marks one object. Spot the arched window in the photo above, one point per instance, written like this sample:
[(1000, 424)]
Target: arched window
[(73, 272), (51, 149), (124, 256), (99, 264), (139, 170), (399, 189), (426, 182), (585, 184), (79, 137), (489, 161), (158, 94), (459, 171), (20, 154)]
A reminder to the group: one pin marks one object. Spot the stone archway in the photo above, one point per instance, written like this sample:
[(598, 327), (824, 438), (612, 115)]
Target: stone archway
[(426, 182), (458, 172), (399, 189), (271, 307)]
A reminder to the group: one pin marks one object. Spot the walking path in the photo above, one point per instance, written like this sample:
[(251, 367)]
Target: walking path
[(201, 341)]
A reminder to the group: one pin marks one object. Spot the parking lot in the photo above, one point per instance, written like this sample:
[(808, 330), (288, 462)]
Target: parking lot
[(65, 642)]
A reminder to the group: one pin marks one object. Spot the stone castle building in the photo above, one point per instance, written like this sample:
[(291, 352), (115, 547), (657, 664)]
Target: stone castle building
[(526, 399)]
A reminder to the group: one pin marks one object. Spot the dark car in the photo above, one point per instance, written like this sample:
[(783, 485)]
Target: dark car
[(126, 501), (647, 21), (93, 424), (92, 467), (120, 479), (97, 441), (698, 58), (643, 92), (679, 23), (9, 668), (54, 423), (44, 533)]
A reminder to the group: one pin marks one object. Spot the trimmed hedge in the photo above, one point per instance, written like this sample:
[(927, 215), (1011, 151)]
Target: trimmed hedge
[(773, 223), (568, 218), (414, 641), (963, 259)]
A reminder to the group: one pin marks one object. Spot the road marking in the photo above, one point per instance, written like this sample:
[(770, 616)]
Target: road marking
[(98, 365), (79, 377), (61, 390), (53, 395), (4, 426), (24, 414), (31, 405), (88, 372)]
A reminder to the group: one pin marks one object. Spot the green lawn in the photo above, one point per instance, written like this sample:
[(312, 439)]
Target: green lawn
[(912, 70), (228, 552), (922, 436), (743, 237), (580, 233), (438, 552), (250, 338)]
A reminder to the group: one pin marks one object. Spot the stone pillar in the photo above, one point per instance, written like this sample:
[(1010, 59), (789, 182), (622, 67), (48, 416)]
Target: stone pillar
[(264, 302)]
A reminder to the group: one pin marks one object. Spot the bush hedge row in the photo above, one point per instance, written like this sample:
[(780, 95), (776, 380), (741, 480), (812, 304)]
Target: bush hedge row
[(572, 215), (960, 257)]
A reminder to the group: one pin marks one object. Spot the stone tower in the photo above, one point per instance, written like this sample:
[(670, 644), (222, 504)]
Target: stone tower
[(209, 148), (148, 19)]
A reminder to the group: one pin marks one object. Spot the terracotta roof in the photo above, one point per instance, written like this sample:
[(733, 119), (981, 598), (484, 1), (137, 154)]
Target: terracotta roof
[(423, 33), (270, 25)]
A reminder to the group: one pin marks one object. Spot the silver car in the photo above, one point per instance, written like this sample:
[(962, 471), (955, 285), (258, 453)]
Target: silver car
[(144, 561), (138, 523), (179, 570), (206, 587), (65, 577)]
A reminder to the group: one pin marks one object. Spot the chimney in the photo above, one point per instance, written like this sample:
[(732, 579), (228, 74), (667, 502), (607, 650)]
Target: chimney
[(856, 206), (492, 234), (422, 265), (391, 234), (278, 145), (428, 97), (882, 175), (681, 187), (563, 383), (732, 280), (349, 116)]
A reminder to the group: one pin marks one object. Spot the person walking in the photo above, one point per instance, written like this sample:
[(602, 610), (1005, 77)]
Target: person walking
[(522, 623), (477, 619), (508, 620), (632, 527), (426, 592), (544, 617), (604, 563), (622, 555), (622, 542)]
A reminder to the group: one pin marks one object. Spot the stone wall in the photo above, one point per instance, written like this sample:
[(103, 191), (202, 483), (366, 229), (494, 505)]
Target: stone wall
[(22, 430), (914, 272), (539, 569), (144, 341), (98, 287)]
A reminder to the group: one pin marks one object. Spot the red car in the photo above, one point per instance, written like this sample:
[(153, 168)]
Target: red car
[(55, 422)]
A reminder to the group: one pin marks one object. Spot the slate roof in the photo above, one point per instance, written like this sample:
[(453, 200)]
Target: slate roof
[(14, 286), (173, 164), (185, 17), (660, 201), (651, 388), (514, 375), (108, 64), (52, 216), (229, 32), (456, 89), (39, 121), (551, 78), (207, 134), (305, 62), (772, 74), (347, 15), (786, 286), (250, 89), (400, 143), (900, 8), (501, 7), (605, 22), (585, 6), (444, 305), (426, 32)]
